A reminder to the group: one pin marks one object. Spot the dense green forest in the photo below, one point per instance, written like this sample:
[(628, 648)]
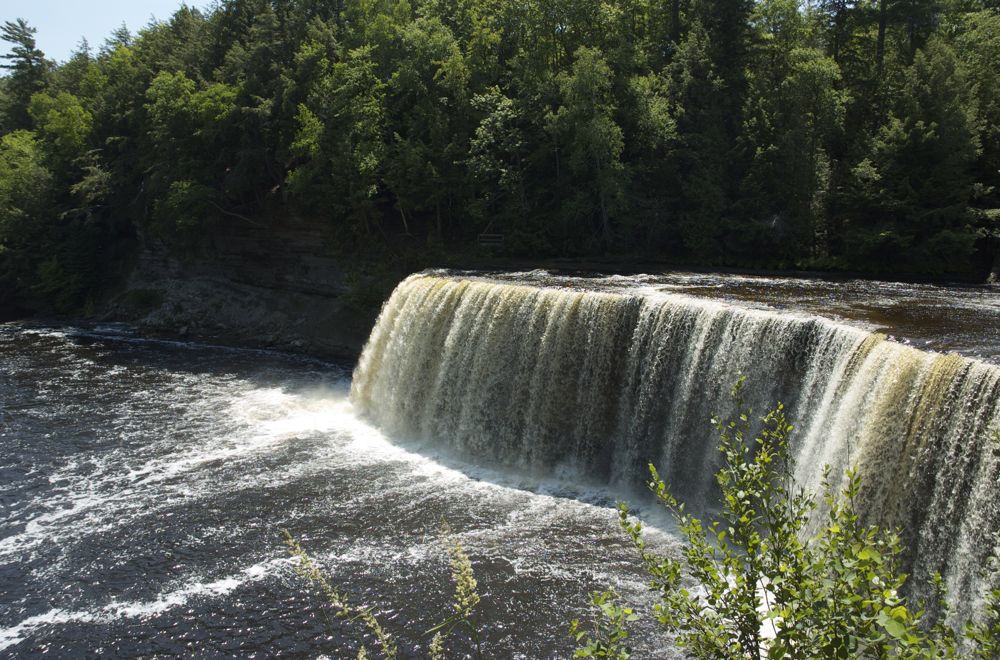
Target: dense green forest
[(860, 135)]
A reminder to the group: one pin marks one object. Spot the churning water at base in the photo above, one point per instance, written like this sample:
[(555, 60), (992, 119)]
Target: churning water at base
[(144, 486), (601, 378)]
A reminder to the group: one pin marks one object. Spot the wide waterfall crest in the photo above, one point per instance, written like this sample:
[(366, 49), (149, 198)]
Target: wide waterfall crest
[(603, 383)]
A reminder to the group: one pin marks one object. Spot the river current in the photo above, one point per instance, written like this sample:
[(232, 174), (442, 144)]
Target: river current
[(145, 484)]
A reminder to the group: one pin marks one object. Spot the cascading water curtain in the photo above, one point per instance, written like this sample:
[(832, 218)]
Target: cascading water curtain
[(603, 383)]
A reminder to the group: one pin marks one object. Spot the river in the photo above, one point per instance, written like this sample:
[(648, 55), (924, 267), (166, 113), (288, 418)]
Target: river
[(145, 483)]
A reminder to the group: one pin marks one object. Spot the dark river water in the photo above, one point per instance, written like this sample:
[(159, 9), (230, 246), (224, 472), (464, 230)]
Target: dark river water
[(144, 487)]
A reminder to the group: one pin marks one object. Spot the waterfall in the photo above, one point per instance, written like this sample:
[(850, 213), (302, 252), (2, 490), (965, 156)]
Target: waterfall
[(602, 383)]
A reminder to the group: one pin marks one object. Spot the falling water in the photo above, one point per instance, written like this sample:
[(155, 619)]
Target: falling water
[(599, 383)]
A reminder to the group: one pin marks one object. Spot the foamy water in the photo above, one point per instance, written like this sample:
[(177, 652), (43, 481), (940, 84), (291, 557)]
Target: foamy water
[(145, 486)]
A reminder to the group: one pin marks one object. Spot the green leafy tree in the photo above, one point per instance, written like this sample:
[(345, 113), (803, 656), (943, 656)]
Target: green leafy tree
[(585, 131), (699, 167), (115, 94), (651, 153), (25, 187), (341, 141), (795, 111), (847, 133), (496, 160), (69, 76), (912, 195), (429, 100), (63, 124), (43, 263), (28, 72), (190, 129), (978, 47)]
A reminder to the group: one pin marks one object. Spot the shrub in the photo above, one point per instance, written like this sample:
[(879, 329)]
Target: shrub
[(761, 587)]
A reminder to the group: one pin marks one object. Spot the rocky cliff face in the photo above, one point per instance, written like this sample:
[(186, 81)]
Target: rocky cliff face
[(274, 286)]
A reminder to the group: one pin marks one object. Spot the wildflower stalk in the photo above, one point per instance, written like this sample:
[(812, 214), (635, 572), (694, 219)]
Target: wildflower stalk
[(307, 569)]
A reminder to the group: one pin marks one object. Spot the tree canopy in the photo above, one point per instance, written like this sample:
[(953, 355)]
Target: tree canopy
[(850, 134)]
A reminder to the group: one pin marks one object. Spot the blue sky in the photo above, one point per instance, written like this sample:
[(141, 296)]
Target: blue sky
[(62, 23)]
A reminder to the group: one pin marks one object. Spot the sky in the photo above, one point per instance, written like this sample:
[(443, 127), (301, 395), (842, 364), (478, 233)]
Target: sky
[(62, 23)]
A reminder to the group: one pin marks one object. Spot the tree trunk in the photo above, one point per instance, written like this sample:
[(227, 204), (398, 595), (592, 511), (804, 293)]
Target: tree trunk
[(406, 226), (838, 20), (675, 21), (883, 11), (995, 271)]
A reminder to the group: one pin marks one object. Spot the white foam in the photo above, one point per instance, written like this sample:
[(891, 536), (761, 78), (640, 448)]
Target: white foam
[(164, 602)]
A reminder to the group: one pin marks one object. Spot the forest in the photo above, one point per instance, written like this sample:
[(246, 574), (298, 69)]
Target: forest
[(851, 135)]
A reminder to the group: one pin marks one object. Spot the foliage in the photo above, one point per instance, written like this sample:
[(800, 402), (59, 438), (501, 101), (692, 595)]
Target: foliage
[(752, 583), (28, 71), (464, 601), (609, 634), (771, 133), (918, 181), (25, 184), (584, 123), (63, 125), (308, 570), (983, 636)]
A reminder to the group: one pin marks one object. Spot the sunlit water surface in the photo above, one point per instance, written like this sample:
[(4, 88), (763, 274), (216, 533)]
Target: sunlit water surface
[(144, 487)]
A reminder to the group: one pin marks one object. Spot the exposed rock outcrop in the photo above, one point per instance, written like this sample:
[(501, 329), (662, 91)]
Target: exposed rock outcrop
[(274, 286)]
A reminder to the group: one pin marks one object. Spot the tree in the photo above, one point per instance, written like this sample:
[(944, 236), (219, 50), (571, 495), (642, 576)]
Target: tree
[(63, 124), (26, 193), (25, 186), (978, 47), (727, 26), (585, 128), (28, 72), (699, 168), (795, 110), (911, 195), (497, 160), (190, 130), (120, 37), (651, 151), (340, 143)]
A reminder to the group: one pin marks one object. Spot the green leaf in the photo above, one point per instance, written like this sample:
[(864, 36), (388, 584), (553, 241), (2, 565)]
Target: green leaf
[(895, 628)]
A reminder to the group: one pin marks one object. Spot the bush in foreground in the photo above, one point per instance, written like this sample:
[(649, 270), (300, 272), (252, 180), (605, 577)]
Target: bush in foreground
[(761, 587)]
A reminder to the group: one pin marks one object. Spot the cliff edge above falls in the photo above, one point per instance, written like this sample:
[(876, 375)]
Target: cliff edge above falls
[(274, 286)]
